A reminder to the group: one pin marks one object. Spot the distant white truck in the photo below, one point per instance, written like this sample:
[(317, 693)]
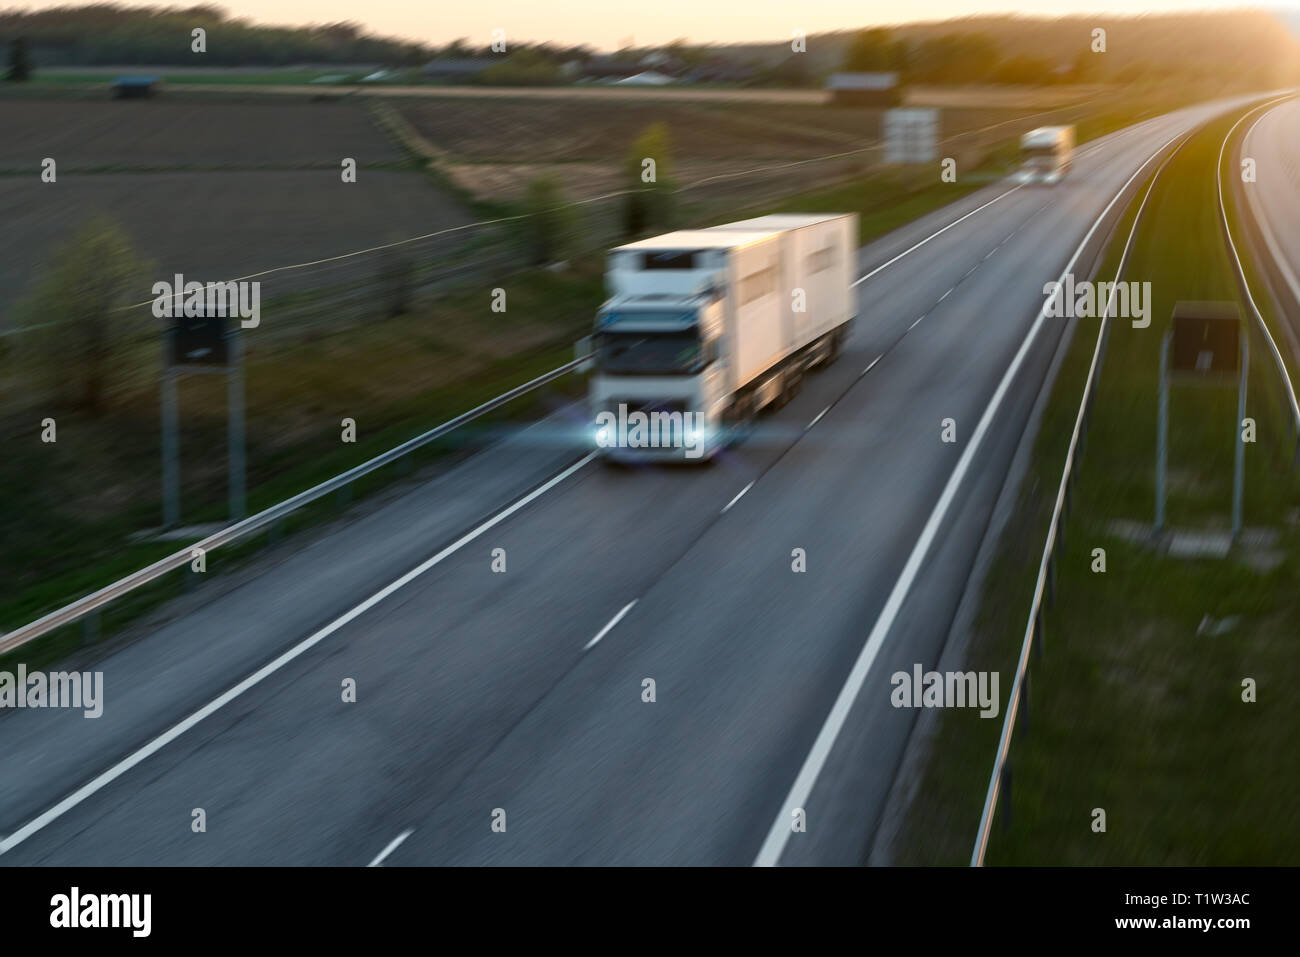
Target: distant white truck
[(706, 328), (1046, 154)]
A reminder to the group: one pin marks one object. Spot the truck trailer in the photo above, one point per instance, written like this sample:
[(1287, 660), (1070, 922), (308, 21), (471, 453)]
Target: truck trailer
[(1046, 153), (704, 329)]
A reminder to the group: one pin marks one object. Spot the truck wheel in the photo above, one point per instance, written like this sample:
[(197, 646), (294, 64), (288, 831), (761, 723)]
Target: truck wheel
[(837, 346), (741, 426), (791, 383)]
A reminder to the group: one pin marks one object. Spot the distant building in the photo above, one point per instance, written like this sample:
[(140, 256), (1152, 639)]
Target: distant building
[(455, 69), (662, 62), (136, 87), (609, 68), (648, 78), (864, 89)]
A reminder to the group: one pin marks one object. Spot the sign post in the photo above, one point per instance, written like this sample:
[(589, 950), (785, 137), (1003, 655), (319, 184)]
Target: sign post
[(197, 345), (1206, 345)]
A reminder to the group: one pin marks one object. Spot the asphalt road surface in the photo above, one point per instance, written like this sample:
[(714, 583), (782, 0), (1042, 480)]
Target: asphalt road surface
[(478, 690), (1274, 143)]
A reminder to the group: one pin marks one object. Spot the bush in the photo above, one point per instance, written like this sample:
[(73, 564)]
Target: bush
[(648, 204), (20, 65), (550, 227), (396, 281), (525, 68), (77, 338)]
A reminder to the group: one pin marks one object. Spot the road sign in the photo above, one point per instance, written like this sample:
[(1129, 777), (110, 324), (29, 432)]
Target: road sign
[(1205, 338), (198, 341), (1205, 343), (911, 135), (207, 344)]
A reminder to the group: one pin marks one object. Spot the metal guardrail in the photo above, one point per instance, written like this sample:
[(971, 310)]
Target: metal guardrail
[(1240, 272), (1045, 585), (84, 606)]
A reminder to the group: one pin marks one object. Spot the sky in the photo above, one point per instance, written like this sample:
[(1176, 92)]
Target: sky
[(609, 24)]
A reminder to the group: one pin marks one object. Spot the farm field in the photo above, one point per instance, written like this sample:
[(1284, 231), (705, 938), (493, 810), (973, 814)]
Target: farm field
[(168, 133), (221, 225), (493, 148)]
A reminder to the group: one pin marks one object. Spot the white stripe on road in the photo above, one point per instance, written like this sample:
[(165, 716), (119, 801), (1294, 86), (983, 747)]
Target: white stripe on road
[(818, 418), (736, 499), (392, 846), (176, 730), (873, 364), (609, 627), (770, 853)]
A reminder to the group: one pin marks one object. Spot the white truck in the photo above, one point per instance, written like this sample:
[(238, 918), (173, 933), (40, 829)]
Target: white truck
[(1046, 153), (706, 328)]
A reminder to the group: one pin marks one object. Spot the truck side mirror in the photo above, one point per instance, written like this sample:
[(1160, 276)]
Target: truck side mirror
[(584, 351)]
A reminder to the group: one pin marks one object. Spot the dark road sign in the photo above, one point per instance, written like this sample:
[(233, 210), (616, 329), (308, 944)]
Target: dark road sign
[(198, 341), (1205, 338)]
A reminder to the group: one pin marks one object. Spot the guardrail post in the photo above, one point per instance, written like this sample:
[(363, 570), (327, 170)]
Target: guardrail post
[(1024, 702), (1005, 803), (90, 628)]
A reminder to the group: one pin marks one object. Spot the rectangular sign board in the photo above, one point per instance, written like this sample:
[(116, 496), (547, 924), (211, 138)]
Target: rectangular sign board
[(1206, 338), (911, 135), (198, 341)]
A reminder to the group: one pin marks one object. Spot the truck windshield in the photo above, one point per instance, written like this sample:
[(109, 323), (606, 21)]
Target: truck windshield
[(651, 353), (1042, 157)]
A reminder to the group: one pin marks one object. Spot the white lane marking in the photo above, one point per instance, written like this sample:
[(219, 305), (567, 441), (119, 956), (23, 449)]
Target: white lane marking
[(392, 846), (610, 626), (818, 418), (769, 854), (946, 295), (934, 234), (916, 322), (176, 730), (739, 494), (992, 251), (972, 269), (872, 365)]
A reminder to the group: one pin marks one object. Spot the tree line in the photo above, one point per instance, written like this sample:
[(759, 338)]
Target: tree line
[(109, 35)]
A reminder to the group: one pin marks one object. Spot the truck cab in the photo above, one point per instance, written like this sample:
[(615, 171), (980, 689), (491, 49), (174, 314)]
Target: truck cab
[(704, 329), (658, 356), (1046, 154)]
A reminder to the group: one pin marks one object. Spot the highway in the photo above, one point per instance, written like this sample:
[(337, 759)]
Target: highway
[(479, 690), (1274, 143)]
